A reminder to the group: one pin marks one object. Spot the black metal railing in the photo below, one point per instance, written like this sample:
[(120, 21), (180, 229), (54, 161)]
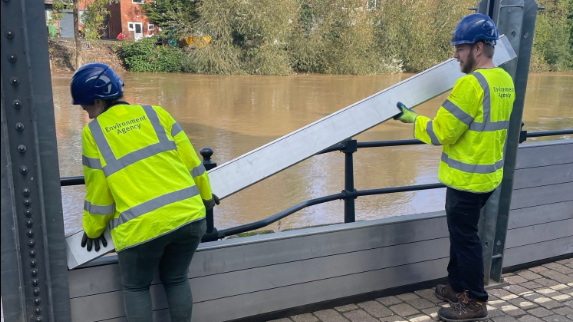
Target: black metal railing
[(349, 194)]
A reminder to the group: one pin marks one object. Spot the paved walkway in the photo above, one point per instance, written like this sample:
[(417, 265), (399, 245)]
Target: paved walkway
[(539, 294)]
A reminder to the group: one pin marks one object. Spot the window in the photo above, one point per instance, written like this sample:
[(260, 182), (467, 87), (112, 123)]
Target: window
[(138, 1), (130, 26), (150, 26)]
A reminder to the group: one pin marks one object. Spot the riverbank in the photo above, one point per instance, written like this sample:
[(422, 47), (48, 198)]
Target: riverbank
[(63, 54), (342, 37)]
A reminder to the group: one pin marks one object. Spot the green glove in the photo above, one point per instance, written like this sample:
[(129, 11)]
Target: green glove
[(209, 204), (406, 115), (89, 241)]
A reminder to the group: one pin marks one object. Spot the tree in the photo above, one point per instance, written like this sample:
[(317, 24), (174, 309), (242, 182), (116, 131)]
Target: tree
[(177, 17), (94, 18), (76, 13)]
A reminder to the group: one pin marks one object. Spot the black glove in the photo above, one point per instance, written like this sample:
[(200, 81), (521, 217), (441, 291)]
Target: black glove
[(95, 241), (209, 204)]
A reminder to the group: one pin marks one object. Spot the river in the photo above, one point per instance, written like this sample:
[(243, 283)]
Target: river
[(236, 114)]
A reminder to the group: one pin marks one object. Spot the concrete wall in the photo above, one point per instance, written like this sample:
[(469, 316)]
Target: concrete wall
[(248, 276)]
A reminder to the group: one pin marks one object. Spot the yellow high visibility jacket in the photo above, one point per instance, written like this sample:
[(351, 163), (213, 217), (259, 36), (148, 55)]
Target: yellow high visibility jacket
[(143, 177), (471, 126)]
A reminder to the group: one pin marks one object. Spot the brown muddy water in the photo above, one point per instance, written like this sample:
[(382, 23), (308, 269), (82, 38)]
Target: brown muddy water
[(236, 114)]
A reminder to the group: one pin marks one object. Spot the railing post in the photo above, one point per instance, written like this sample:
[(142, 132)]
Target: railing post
[(522, 134), (350, 147), (211, 234)]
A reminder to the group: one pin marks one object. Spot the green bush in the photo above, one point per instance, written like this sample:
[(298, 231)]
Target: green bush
[(145, 56)]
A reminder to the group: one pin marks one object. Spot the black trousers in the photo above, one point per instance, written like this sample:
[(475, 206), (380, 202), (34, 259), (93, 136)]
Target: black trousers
[(465, 269)]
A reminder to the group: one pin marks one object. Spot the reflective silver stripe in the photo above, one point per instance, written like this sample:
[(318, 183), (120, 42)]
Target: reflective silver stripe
[(175, 129), (431, 134), (153, 204), (101, 142), (457, 112), (92, 163), (472, 168), (487, 125), (198, 170), (490, 126), (138, 155), (159, 129), (112, 164), (98, 210), (486, 96)]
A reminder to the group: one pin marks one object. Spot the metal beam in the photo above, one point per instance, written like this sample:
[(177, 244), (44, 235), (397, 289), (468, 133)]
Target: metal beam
[(520, 81), (34, 272), (299, 145), (508, 16)]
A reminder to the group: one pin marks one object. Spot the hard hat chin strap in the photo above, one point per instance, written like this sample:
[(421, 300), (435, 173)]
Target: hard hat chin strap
[(489, 42)]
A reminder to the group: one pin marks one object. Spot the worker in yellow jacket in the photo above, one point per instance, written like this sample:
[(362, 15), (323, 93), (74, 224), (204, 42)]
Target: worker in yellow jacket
[(145, 182), (471, 126)]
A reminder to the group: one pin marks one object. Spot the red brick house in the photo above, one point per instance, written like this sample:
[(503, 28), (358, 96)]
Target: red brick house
[(127, 19)]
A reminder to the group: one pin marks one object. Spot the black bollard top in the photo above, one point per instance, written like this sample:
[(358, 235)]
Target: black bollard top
[(206, 153)]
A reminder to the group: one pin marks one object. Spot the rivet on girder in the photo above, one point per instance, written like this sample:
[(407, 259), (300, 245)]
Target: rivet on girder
[(24, 169), (12, 58), (21, 148), (30, 232), (27, 202), (19, 127), (35, 282), (33, 262), (10, 34), (39, 318), (28, 212), (34, 272), (14, 81), (36, 291), (37, 301), (17, 104), (31, 242), (38, 310), (26, 191), (32, 253), (29, 222)]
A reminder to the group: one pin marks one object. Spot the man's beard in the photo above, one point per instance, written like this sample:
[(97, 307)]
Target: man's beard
[(468, 66)]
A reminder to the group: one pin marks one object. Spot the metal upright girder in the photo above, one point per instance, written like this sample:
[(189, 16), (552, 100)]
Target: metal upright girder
[(299, 145), (508, 17), (516, 19), (520, 81), (34, 273)]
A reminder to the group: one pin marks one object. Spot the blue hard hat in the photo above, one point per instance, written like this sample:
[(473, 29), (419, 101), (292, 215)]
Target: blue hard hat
[(95, 81), (473, 28)]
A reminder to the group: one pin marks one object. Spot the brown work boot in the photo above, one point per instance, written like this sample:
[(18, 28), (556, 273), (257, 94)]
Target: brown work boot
[(446, 293), (465, 309)]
